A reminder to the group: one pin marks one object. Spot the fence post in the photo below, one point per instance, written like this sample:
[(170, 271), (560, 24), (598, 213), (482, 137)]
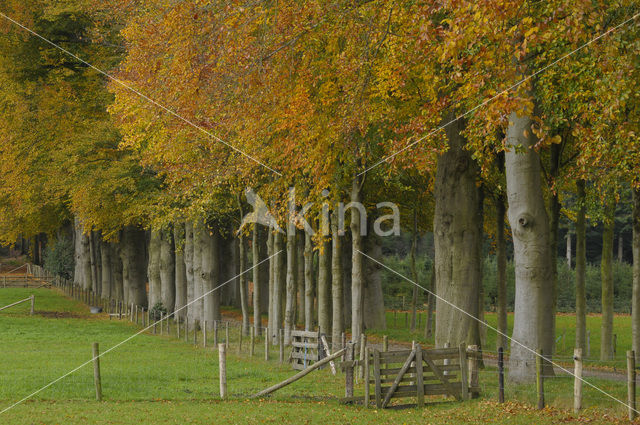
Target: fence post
[(222, 358), (473, 370), (464, 372), (631, 384), (385, 343), (577, 382), (252, 337), (266, 344), (96, 371), (348, 373), (446, 361), (281, 345), (33, 301), (363, 350), (539, 379), (501, 375), (366, 379)]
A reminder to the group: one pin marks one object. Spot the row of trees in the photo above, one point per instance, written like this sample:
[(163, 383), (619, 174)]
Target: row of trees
[(338, 100)]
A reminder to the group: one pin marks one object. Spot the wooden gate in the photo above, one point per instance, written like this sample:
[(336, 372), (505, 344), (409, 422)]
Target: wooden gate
[(417, 373), (306, 349)]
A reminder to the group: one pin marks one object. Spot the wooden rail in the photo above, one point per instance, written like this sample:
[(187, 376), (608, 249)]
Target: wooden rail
[(32, 298)]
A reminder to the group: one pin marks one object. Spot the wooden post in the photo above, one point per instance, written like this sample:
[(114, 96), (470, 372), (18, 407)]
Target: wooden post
[(446, 361), (266, 344), (161, 323), (222, 360), (281, 345), (33, 301), (349, 357), (366, 379), (136, 314), (363, 348), (215, 333), (501, 375), (96, 371), (252, 337), (204, 334), (376, 374), (631, 384), (473, 370), (419, 376), (539, 380), (169, 325), (577, 382), (462, 352)]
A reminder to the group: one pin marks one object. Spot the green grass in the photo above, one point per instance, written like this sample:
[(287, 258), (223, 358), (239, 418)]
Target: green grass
[(565, 336), (162, 380)]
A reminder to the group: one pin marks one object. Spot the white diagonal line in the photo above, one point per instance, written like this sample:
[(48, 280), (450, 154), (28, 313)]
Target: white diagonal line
[(491, 99), (145, 97), (498, 332), (133, 336)]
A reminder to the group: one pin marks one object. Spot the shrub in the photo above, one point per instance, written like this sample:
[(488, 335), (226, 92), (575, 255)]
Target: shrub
[(58, 258)]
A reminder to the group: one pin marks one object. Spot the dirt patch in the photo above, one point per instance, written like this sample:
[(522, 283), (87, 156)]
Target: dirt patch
[(61, 314)]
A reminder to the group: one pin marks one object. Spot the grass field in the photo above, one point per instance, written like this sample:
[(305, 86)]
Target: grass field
[(162, 380)]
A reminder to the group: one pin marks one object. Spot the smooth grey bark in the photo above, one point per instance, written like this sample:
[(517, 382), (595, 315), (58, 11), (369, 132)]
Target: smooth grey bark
[(568, 251), (635, 296), (373, 300), (308, 282), (324, 301), (116, 267), (414, 271), (530, 229), (581, 268), (168, 270), (244, 295), (272, 262), (606, 269), (501, 262), (209, 274), (301, 302), (290, 290), (554, 222), (94, 257), (431, 301), (153, 269), (199, 230), (337, 295), (107, 271), (257, 282), (134, 266), (357, 266), (278, 285), (82, 273), (188, 261), (180, 270), (457, 224)]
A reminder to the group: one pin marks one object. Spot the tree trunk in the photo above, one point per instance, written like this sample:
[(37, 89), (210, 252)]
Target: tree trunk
[(620, 249), (431, 301), (635, 297), (94, 256), (116, 266), (257, 293), (168, 270), (414, 271), (155, 286), (373, 307), (581, 268), (180, 270), (337, 295), (107, 271), (308, 282), (210, 274), (301, 302), (82, 274), (199, 240), (244, 296), (554, 221), (272, 265), (278, 285), (458, 237), (188, 262), (346, 278), (569, 253), (324, 302), (134, 266), (501, 254), (533, 316), (290, 293), (357, 278), (606, 269)]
